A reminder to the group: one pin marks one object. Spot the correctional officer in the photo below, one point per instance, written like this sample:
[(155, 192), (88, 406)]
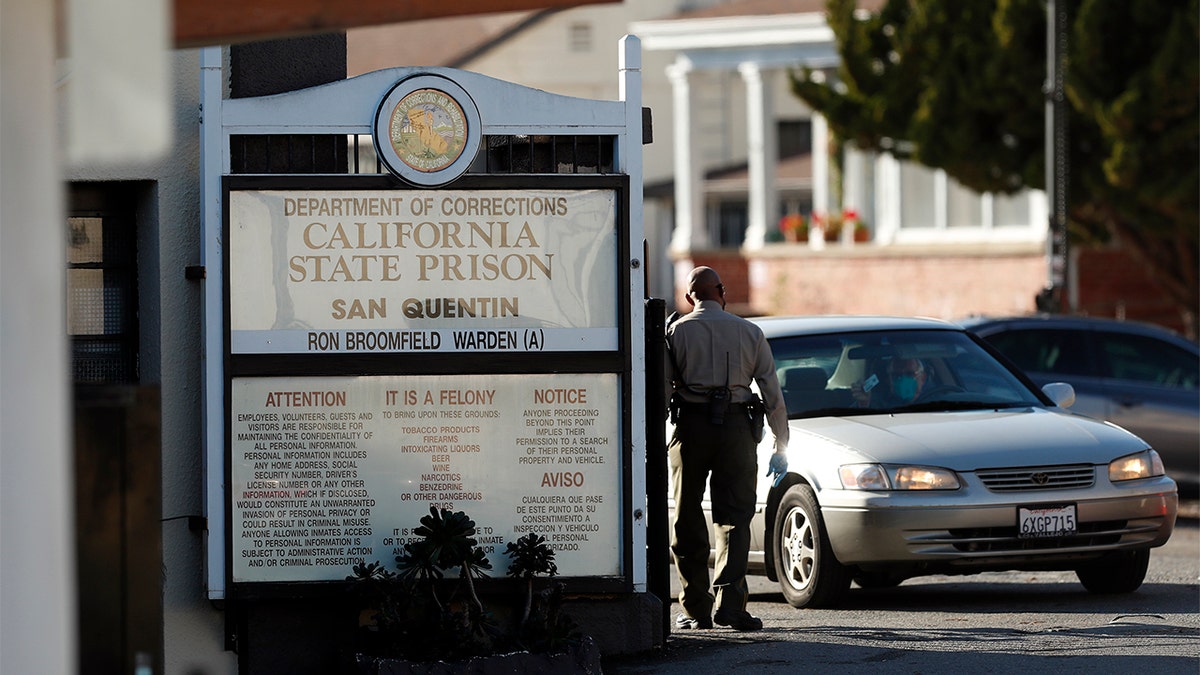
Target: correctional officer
[(715, 356)]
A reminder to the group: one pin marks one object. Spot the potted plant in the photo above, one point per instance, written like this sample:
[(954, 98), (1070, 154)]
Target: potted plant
[(841, 224), (830, 225), (793, 227), (859, 230), (419, 615)]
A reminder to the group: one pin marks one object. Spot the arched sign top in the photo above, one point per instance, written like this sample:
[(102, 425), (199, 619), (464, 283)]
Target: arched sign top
[(427, 130)]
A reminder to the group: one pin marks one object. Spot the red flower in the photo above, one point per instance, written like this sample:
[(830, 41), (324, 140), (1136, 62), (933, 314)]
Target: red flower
[(793, 222)]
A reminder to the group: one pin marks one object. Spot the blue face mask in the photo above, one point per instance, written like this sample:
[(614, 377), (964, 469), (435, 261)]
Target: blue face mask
[(905, 386)]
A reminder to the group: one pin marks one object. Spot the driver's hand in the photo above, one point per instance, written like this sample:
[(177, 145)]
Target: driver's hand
[(861, 397)]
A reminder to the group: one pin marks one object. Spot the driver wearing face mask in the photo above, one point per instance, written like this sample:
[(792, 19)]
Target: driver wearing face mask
[(906, 381)]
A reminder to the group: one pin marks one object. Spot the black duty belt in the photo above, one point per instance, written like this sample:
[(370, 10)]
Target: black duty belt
[(689, 405)]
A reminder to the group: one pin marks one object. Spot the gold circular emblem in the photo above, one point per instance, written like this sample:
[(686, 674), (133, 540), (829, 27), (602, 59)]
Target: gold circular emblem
[(428, 130)]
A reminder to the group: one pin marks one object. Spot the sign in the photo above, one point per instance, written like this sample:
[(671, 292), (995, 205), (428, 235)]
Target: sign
[(327, 472), (350, 271), (435, 330)]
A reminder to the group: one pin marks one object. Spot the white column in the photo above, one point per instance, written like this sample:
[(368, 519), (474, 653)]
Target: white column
[(987, 205), (820, 163), (941, 200), (820, 172), (38, 623), (630, 155), (763, 152), (690, 231), (888, 200), (854, 192), (213, 164)]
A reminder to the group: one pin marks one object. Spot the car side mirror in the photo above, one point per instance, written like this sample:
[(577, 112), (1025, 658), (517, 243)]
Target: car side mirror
[(1061, 393)]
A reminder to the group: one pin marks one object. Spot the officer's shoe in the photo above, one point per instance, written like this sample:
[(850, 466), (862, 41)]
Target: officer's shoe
[(685, 622), (741, 621)]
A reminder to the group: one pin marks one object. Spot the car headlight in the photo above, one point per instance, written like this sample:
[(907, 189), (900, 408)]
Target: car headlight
[(893, 477), (1145, 464)]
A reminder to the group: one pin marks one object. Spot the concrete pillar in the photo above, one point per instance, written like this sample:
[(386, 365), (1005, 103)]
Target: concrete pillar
[(37, 569), (690, 230), (854, 188), (820, 173), (941, 200), (888, 200), (763, 152)]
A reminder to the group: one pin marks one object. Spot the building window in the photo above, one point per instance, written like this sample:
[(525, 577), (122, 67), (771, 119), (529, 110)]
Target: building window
[(102, 317), (933, 205), (732, 219), (917, 196), (579, 37), (1012, 210), (964, 208), (795, 137)]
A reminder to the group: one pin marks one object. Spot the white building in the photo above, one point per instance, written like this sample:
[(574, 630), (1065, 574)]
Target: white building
[(732, 152)]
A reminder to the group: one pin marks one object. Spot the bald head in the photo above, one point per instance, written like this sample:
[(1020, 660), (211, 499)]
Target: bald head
[(705, 284)]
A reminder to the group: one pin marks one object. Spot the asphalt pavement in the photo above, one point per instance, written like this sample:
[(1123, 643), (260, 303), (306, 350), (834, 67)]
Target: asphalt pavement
[(1016, 623)]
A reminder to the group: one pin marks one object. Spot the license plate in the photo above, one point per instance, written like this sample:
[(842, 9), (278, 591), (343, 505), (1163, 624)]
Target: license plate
[(1046, 521)]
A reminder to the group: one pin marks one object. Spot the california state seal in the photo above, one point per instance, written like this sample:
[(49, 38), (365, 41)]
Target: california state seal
[(427, 130)]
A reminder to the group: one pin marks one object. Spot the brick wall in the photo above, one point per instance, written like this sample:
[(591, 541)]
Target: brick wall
[(1113, 284), (733, 269), (934, 281), (785, 280)]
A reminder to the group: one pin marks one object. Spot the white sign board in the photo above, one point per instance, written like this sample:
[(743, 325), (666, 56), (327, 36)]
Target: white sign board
[(327, 472), (354, 271)]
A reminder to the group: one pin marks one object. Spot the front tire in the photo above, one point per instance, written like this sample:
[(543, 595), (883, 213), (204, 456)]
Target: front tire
[(1119, 572), (808, 572)]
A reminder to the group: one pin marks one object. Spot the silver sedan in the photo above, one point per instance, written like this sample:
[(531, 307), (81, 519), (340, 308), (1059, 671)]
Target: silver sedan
[(969, 469)]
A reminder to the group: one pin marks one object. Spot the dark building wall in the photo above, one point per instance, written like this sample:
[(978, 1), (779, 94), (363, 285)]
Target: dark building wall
[(275, 66)]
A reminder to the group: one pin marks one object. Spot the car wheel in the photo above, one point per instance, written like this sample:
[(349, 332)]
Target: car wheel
[(808, 572), (1119, 572)]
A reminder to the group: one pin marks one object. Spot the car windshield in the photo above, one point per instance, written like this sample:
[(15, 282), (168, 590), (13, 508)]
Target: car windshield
[(892, 371)]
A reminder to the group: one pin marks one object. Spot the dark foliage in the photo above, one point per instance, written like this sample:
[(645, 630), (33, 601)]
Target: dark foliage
[(421, 614)]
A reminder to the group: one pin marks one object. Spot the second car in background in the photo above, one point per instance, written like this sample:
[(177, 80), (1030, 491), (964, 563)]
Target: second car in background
[(1141, 377)]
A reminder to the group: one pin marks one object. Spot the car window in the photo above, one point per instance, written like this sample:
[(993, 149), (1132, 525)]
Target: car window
[(1144, 359), (818, 373), (1038, 350), (811, 351)]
